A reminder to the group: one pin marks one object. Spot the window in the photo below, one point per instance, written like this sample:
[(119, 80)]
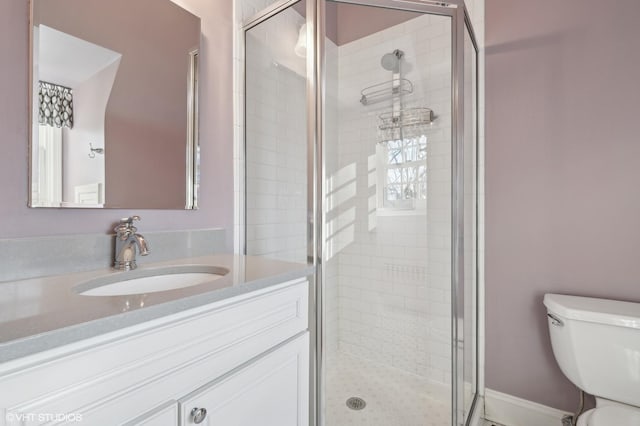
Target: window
[(402, 175)]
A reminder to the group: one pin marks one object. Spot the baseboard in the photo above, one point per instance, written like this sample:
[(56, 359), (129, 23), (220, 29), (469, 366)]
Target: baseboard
[(512, 411)]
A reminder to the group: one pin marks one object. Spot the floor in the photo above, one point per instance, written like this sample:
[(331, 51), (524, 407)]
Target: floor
[(393, 397)]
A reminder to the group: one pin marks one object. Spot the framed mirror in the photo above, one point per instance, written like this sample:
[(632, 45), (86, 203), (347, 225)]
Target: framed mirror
[(114, 104)]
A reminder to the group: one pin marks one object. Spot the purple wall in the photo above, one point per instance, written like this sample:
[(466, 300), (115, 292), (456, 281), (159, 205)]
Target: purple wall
[(349, 22), (562, 176), (216, 136), (354, 22)]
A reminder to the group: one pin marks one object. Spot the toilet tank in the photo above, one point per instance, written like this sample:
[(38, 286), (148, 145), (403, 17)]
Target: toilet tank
[(596, 343)]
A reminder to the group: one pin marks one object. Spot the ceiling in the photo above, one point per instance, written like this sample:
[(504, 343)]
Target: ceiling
[(67, 60)]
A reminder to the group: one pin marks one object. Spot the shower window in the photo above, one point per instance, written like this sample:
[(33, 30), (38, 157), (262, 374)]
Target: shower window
[(402, 175)]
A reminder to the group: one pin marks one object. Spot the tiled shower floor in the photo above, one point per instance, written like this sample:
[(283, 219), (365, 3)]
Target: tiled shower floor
[(393, 397)]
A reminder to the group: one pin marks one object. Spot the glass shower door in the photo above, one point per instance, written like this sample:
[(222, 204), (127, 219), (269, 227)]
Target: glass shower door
[(275, 127), (399, 281), (388, 202)]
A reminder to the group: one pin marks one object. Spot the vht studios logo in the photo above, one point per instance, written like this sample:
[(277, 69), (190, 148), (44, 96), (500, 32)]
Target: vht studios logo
[(43, 417)]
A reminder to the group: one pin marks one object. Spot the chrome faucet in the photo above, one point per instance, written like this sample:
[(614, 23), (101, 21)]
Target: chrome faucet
[(126, 237)]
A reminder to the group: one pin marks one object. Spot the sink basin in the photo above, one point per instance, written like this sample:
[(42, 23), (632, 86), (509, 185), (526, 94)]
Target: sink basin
[(154, 280)]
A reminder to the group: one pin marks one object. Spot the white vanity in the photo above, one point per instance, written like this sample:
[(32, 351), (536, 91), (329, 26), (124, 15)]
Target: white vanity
[(233, 352)]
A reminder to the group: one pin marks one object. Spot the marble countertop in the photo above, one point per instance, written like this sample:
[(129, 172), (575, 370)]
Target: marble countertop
[(43, 313)]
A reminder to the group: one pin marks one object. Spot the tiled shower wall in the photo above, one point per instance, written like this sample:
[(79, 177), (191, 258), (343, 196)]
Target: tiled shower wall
[(393, 270)]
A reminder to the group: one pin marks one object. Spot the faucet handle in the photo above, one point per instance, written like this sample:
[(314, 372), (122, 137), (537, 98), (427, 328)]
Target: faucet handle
[(129, 220), (126, 224)]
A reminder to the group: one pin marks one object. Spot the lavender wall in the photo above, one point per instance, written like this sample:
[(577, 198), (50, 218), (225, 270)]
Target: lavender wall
[(354, 22), (562, 174), (216, 196)]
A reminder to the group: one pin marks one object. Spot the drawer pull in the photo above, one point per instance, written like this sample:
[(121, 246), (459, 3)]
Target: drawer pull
[(198, 415)]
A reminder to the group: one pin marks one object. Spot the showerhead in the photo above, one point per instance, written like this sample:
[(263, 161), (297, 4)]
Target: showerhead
[(391, 61)]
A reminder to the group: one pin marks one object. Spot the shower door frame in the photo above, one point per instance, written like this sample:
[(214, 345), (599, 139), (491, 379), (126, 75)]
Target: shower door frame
[(316, 101)]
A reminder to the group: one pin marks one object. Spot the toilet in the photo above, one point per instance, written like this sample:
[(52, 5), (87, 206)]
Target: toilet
[(596, 343)]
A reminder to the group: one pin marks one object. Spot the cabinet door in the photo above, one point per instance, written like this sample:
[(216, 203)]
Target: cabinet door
[(270, 391)]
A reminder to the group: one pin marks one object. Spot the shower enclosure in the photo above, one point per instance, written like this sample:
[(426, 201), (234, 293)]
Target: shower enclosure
[(360, 155)]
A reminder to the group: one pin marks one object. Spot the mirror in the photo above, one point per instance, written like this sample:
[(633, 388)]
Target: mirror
[(114, 114)]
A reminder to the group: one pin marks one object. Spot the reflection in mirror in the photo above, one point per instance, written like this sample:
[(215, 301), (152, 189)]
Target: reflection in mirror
[(114, 104)]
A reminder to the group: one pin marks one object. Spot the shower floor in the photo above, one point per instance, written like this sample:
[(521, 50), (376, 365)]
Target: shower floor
[(393, 397)]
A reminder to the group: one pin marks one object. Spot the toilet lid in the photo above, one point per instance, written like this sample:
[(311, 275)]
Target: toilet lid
[(614, 415)]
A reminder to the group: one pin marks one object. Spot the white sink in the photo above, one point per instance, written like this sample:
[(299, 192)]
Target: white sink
[(142, 281)]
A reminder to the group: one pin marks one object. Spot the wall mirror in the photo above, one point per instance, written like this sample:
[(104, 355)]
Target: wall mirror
[(114, 105)]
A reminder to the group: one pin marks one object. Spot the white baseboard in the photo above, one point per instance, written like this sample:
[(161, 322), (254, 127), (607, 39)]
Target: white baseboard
[(511, 411)]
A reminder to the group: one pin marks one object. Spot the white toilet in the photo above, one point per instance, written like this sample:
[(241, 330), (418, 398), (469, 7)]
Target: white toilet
[(597, 345)]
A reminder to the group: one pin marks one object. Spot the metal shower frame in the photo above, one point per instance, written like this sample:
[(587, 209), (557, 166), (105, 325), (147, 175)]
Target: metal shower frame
[(315, 89)]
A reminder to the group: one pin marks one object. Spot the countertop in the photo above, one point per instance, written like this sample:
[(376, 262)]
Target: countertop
[(44, 313)]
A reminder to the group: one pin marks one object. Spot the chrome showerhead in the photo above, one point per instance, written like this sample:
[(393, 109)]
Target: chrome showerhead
[(391, 61)]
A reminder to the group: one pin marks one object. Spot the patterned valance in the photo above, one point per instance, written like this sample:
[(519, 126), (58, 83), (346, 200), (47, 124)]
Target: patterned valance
[(55, 105)]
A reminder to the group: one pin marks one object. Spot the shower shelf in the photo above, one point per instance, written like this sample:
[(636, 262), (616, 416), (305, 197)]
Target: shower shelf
[(387, 90), (408, 122), (417, 116)]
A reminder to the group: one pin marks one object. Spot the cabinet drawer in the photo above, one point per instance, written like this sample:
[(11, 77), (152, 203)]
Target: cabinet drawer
[(114, 382)]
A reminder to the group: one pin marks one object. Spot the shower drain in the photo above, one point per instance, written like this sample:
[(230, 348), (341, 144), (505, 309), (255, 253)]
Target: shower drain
[(356, 403)]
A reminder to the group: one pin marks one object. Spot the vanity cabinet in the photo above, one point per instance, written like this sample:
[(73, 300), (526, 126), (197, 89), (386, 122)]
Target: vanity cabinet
[(245, 360)]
